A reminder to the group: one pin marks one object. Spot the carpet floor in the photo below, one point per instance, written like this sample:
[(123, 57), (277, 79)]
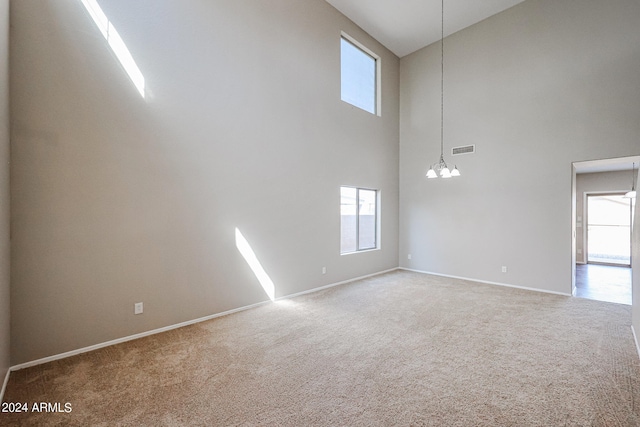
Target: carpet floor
[(401, 348)]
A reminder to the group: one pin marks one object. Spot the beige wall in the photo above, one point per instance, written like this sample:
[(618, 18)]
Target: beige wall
[(4, 192), (119, 199), (536, 87), (595, 183)]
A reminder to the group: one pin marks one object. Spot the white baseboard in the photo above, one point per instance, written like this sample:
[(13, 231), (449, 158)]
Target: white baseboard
[(335, 284), (4, 385), (635, 339), (176, 326), (128, 338), (487, 282)]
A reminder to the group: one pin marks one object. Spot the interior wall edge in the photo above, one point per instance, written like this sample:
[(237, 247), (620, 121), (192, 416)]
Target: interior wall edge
[(4, 385), (5, 198)]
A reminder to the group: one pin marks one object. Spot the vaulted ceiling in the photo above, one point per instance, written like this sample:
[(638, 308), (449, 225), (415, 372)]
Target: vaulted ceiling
[(408, 25)]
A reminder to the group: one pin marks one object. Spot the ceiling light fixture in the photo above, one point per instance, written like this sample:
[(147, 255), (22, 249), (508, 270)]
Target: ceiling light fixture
[(632, 194), (441, 167)]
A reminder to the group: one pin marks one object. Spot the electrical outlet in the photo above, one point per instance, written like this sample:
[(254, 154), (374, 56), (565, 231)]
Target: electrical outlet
[(324, 270), (137, 308), (504, 269), (579, 251), (409, 256)]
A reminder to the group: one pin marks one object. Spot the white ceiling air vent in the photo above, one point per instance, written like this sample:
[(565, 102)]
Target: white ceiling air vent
[(466, 149)]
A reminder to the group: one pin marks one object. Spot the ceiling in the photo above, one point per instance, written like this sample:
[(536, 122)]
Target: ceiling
[(408, 25)]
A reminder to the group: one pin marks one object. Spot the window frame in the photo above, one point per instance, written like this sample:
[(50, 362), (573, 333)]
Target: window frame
[(378, 73), (376, 220)]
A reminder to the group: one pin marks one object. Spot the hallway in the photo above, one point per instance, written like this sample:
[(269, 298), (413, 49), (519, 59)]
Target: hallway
[(603, 283)]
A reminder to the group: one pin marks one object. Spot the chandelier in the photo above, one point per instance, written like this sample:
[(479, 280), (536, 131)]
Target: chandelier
[(441, 167)]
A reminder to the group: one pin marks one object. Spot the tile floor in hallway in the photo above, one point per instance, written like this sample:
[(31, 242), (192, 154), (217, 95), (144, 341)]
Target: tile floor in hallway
[(603, 283)]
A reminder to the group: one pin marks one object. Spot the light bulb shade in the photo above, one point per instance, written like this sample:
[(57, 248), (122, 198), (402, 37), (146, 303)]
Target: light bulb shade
[(432, 174), (455, 171), (630, 195), (445, 173)]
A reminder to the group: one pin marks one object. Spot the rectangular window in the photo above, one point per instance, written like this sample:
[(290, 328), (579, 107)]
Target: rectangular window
[(359, 75), (358, 219), (609, 225)]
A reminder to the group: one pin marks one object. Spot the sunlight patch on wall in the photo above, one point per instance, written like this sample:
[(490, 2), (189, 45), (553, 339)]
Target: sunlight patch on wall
[(116, 43), (249, 256)]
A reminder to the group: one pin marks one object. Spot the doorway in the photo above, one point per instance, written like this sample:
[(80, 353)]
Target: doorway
[(609, 222), (602, 219)]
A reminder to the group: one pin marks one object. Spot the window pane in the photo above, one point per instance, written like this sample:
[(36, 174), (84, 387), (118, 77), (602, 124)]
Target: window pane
[(358, 77), (367, 219), (347, 219), (608, 210), (609, 229)]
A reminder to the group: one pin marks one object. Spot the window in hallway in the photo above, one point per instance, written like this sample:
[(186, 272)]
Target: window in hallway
[(609, 219)]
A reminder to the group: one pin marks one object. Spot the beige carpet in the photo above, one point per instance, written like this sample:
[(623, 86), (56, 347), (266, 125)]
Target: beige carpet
[(397, 349)]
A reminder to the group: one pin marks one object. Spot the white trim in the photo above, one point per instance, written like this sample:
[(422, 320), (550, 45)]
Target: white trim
[(635, 339), (336, 284), (487, 282), (176, 326), (363, 251), (129, 338), (4, 385)]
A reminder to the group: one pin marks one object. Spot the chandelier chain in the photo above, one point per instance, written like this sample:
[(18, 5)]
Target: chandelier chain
[(441, 166), (442, 81)]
